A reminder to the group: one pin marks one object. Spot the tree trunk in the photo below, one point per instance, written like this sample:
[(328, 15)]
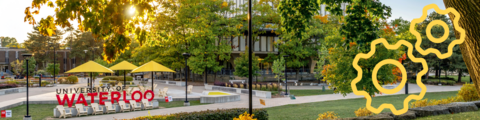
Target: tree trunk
[(436, 73), (470, 48), (459, 76)]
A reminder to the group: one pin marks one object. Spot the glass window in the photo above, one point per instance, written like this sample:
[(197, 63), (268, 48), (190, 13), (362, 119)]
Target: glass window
[(263, 43)]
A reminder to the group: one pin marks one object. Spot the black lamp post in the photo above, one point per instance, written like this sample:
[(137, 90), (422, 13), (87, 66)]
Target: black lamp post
[(406, 84), (285, 56), (205, 71), (85, 61), (250, 52), (54, 61), (186, 79), (26, 57)]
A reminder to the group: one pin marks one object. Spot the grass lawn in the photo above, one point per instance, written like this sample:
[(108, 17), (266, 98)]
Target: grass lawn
[(310, 92), (37, 111), (464, 79), (42, 111), (344, 108), (459, 116), (179, 104)]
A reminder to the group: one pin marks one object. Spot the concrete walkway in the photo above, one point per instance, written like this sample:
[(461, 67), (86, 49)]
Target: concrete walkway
[(413, 88)]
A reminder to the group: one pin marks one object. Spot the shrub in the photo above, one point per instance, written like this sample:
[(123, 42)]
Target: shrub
[(219, 114), (217, 83), (245, 116), (468, 92), (72, 79), (235, 85), (363, 112), (11, 82), (5, 86), (327, 115), (62, 80), (419, 103)]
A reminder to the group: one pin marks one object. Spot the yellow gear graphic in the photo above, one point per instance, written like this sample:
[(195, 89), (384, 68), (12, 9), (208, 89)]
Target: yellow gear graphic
[(410, 56), (394, 62), (441, 39)]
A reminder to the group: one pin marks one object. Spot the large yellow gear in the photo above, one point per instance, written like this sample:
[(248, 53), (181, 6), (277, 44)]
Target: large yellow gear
[(410, 56), (394, 62)]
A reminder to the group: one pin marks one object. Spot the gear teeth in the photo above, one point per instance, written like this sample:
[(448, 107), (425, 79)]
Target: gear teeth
[(410, 56), (445, 27)]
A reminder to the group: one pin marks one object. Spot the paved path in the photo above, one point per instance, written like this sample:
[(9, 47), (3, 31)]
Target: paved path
[(269, 103)]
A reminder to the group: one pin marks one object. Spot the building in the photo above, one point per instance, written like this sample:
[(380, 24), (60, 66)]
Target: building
[(264, 46), (8, 55)]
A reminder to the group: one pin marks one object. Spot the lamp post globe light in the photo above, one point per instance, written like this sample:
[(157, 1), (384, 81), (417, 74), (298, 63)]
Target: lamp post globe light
[(186, 79), (27, 116), (286, 92)]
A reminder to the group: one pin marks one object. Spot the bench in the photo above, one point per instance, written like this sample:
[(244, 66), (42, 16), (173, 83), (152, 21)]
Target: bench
[(237, 81), (292, 81)]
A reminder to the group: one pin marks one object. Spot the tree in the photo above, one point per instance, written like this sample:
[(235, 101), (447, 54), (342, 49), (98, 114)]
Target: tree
[(84, 41), (109, 20), (360, 28), (17, 67), (209, 42), (277, 68), (296, 17), (31, 66), (241, 65), (471, 47), (42, 46), (51, 68), (9, 42)]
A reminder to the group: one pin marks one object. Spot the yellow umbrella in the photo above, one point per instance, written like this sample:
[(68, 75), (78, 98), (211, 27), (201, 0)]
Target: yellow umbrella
[(152, 66), (124, 65), (90, 67)]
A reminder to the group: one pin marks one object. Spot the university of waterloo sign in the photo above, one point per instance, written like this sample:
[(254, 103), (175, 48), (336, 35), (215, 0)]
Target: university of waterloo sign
[(79, 94)]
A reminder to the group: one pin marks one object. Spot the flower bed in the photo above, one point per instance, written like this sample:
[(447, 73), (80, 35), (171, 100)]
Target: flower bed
[(219, 114)]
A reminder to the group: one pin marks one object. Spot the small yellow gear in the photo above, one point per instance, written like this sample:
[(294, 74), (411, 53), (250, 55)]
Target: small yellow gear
[(410, 56), (441, 39)]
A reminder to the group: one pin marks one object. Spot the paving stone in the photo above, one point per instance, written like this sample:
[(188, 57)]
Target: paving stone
[(406, 116), (458, 107), (477, 103), (430, 111)]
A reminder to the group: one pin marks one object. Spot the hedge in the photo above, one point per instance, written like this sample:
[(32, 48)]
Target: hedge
[(219, 114), (117, 78)]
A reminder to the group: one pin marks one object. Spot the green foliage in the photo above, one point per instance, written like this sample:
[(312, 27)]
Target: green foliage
[(9, 42), (17, 67), (296, 14), (241, 65), (51, 68), (72, 79), (354, 36), (31, 66), (43, 72), (43, 46), (117, 78), (296, 17), (107, 20), (219, 114), (80, 41), (278, 68)]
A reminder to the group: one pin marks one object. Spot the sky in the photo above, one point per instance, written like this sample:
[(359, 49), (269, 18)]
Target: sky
[(12, 14)]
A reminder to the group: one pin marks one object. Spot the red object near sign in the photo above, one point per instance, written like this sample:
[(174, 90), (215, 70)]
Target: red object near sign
[(4, 113), (166, 99)]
